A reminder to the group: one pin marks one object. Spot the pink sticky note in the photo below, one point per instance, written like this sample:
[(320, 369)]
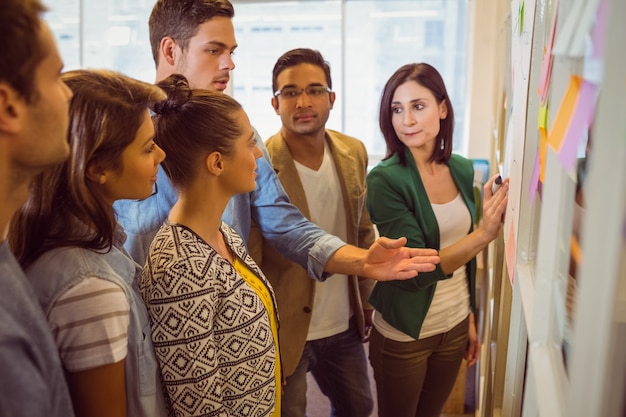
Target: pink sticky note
[(510, 253), (597, 34)]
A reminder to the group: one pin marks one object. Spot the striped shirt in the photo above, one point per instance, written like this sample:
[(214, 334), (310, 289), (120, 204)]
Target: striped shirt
[(89, 323)]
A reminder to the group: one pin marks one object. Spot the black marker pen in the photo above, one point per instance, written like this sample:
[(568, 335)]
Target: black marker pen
[(496, 184)]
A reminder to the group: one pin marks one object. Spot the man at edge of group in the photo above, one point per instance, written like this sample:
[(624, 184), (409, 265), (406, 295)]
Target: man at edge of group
[(34, 104)]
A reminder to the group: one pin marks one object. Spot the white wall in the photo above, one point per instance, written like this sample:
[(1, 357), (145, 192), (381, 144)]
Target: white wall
[(486, 49)]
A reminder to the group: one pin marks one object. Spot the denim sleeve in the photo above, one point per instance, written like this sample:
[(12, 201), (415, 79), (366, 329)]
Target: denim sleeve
[(286, 228)]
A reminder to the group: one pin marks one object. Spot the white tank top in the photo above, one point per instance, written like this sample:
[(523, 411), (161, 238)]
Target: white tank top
[(331, 305), (450, 304)]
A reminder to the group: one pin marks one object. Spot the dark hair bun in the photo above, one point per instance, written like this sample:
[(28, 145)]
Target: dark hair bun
[(178, 93)]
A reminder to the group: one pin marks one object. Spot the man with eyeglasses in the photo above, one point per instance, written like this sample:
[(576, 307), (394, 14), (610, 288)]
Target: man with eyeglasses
[(323, 172)]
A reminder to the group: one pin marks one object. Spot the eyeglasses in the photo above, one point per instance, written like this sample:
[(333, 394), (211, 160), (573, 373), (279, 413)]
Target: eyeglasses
[(292, 92)]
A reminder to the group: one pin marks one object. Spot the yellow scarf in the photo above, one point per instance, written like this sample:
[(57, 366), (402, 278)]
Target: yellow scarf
[(264, 294)]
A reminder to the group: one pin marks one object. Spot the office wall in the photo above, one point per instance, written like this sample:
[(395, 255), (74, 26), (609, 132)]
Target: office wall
[(487, 50)]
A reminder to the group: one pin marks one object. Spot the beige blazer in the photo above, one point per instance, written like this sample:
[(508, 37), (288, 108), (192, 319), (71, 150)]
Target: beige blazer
[(294, 289)]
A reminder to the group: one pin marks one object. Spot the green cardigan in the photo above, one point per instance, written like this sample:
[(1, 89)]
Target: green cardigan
[(399, 206)]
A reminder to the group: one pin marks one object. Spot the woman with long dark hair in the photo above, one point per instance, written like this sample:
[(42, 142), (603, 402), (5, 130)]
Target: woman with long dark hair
[(67, 239)]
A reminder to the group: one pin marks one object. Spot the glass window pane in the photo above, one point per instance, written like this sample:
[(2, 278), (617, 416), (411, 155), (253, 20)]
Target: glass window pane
[(64, 20), (117, 37), (365, 41), (383, 36), (380, 36), (114, 35)]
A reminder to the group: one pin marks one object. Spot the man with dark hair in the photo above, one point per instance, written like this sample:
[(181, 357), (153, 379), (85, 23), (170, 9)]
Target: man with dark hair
[(196, 38), (323, 172), (33, 123)]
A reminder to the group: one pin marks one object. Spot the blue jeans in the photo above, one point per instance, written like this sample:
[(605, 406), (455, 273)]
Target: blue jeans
[(339, 367)]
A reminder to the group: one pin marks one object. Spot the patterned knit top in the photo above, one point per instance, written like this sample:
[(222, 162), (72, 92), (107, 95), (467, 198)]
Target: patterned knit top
[(211, 331)]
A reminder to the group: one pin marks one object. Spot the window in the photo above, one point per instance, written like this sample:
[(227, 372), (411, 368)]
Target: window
[(365, 41), (433, 34)]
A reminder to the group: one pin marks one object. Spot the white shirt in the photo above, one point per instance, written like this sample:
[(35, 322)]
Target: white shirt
[(331, 305)]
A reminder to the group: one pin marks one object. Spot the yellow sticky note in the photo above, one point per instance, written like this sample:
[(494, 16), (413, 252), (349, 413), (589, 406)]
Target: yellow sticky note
[(564, 113), (575, 250), (542, 122)]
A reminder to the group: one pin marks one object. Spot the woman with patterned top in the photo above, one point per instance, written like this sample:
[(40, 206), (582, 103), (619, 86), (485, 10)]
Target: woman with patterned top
[(213, 314), (70, 244)]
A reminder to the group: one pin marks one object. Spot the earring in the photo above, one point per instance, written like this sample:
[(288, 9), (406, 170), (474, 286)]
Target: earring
[(442, 144)]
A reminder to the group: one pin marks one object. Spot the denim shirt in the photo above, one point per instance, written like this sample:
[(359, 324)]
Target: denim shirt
[(31, 376), (279, 221), (57, 270)]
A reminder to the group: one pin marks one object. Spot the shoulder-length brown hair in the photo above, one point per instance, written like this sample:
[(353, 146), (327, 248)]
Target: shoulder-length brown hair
[(106, 111), (428, 77)]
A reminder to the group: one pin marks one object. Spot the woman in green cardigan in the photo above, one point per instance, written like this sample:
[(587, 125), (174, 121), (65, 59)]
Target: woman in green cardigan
[(424, 327)]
